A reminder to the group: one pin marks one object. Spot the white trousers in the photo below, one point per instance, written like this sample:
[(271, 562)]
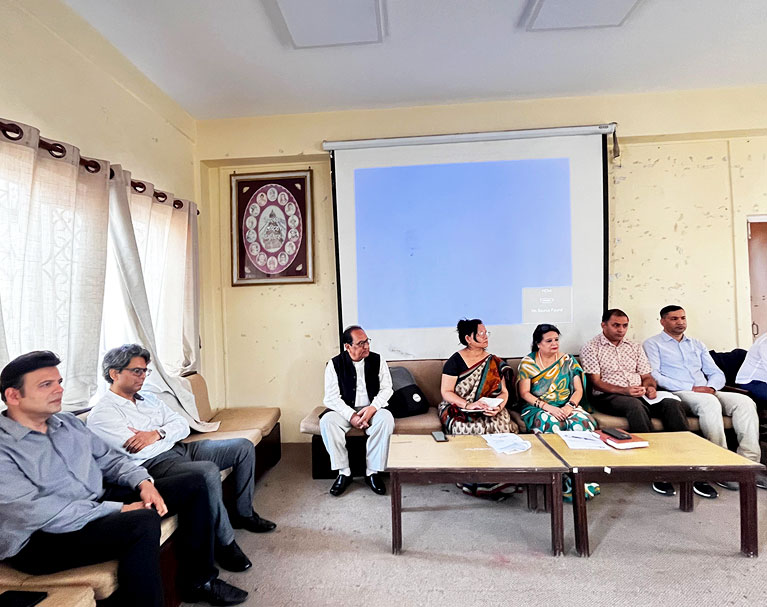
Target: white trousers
[(745, 420), (334, 427)]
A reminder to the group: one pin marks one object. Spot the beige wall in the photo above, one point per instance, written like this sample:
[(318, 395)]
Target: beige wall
[(677, 224), (61, 76), (692, 169)]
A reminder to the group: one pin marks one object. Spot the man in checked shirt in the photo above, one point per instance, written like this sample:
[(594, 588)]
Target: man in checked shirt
[(620, 374)]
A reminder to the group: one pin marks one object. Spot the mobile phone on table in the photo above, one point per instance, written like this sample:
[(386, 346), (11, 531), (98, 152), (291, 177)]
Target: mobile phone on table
[(439, 436), (21, 598), (616, 433)]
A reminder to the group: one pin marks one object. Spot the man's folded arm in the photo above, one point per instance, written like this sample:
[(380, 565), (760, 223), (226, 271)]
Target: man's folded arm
[(115, 466), (110, 426), (175, 427)]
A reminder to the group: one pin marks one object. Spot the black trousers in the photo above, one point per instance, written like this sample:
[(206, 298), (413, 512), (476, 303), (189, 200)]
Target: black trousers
[(638, 413), (133, 539)]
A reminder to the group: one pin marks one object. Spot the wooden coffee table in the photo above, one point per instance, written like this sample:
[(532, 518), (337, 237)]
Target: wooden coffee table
[(469, 459), (681, 457)]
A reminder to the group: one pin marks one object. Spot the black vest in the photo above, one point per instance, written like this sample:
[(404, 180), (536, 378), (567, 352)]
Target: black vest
[(347, 376)]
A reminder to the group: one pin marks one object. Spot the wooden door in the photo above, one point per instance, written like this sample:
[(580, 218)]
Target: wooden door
[(757, 267)]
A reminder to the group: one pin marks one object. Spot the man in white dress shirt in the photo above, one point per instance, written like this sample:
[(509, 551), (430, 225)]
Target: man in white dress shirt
[(684, 366), (358, 387), (752, 375), (140, 425)]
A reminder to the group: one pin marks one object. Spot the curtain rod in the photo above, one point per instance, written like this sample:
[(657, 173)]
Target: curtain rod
[(597, 129), (14, 132)]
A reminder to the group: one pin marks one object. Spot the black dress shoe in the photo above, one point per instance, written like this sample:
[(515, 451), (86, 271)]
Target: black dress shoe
[(704, 490), (253, 523), (232, 558), (729, 485), (664, 488), (342, 482), (216, 592), (375, 482)]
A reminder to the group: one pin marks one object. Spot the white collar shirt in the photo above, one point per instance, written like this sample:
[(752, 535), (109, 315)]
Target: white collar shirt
[(113, 417)]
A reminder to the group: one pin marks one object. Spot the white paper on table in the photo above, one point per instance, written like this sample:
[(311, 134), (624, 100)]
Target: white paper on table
[(659, 396), (506, 443), (493, 403), (583, 440)]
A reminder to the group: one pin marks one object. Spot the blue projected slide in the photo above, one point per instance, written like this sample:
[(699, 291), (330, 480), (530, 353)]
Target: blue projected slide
[(438, 242)]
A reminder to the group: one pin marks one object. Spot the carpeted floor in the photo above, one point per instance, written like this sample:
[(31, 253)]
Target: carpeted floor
[(459, 550)]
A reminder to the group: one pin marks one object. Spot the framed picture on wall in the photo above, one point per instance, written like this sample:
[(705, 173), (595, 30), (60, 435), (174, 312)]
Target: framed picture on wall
[(272, 228)]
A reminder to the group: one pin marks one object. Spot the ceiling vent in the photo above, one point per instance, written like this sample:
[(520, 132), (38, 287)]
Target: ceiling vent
[(332, 22), (545, 15)]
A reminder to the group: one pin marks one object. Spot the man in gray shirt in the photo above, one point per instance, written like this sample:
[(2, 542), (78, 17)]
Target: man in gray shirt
[(57, 513)]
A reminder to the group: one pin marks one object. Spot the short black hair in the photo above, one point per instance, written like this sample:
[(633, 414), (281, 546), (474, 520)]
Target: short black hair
[(13, 374), (467, 327), (119, 358), (540, 331), (608, 314), (665, 310), (346, 336)]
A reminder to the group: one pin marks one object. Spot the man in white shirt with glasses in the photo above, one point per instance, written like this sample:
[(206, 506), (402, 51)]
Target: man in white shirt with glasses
[(140, 425), (358, 387)]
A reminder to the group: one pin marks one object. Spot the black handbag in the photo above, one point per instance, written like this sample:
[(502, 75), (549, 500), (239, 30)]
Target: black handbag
[(407, 399)]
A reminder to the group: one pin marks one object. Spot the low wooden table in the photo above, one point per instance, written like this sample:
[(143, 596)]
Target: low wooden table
[(420, 459), (681, 457)]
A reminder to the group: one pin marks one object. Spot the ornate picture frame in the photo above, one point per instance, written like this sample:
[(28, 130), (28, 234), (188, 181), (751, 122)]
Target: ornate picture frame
[(272, 232)]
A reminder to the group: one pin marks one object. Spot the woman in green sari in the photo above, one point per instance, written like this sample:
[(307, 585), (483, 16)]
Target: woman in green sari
[(552, 385)]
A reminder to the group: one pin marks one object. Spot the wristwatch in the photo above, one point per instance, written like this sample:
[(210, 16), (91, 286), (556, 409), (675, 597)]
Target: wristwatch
[(161, 432)]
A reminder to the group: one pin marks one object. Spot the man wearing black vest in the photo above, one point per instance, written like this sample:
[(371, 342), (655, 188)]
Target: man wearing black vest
[(357, 390)]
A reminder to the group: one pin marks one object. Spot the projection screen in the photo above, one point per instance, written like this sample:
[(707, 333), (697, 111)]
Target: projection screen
[(508, 230)]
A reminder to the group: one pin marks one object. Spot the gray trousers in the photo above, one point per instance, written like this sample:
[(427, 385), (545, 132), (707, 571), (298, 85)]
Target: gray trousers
[(745, 420), (333, 427), (207, 458)]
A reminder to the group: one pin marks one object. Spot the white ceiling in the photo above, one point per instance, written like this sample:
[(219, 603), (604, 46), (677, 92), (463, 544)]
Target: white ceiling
[(226, 58)]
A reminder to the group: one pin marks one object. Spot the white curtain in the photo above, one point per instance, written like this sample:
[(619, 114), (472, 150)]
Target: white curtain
[(89, 262), (151, 251), (165, 230), (54, 211)]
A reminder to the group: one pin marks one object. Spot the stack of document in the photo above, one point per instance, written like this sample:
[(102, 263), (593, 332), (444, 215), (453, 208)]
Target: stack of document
[(507, 443), (582, 440)]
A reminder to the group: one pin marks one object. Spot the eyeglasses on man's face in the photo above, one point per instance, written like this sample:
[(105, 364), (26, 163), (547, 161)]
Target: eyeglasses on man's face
[(139, 371), (363, 343)]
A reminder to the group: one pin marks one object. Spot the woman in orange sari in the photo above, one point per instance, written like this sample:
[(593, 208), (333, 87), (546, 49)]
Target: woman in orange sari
[(469, 377)]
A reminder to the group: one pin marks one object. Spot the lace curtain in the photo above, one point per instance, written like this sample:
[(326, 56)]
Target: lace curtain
[(53, 225), (89, 262)]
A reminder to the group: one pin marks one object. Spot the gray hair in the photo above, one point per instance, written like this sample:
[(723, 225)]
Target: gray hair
[(119, 358)]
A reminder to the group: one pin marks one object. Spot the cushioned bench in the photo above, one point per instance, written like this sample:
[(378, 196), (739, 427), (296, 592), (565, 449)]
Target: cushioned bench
[(261, 425), (428, 376), (69, 596)]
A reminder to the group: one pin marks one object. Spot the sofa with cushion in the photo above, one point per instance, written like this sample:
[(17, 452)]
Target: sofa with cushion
[(260, 425), (428, 376)]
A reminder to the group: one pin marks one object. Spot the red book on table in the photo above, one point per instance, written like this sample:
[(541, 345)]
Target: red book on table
[(630, 443)]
